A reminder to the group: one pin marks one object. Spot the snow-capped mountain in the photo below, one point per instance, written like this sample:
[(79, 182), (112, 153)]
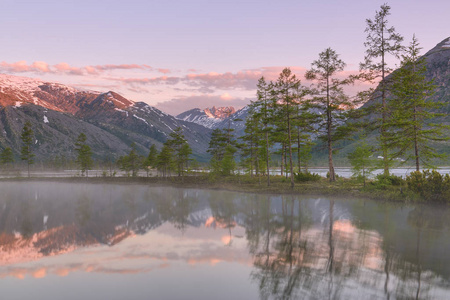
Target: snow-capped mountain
[(208, 117), (59, 113)]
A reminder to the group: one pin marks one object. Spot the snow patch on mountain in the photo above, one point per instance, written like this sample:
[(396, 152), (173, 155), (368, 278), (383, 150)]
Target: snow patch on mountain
[(208, 117), (139, 118), (447, 44)]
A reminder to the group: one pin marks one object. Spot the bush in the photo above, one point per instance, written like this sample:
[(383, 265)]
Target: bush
[(335, 175), (303, 177), (390, 179), (430, 185)]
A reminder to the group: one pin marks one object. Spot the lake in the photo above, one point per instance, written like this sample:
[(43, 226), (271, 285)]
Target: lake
[(105, 241)]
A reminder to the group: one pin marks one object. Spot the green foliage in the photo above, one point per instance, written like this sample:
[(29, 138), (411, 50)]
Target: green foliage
[(130, 163), (223, 147), (165, 161), (6, 156), (383, 180), (330, 99), (430, 185), (27, 140), (381, 41), (84, 158), (151, 160), (411, 111), (362, 161), (228, 165), (307, 176), (180, 150)]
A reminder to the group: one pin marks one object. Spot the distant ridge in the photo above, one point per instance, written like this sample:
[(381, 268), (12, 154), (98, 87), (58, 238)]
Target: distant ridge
[(207, 117)]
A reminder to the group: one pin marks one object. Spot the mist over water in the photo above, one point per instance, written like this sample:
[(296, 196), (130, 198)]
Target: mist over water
[(105, 241)]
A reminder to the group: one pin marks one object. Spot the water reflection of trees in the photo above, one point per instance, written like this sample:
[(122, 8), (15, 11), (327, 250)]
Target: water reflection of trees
[(294, 259), (175, 206)]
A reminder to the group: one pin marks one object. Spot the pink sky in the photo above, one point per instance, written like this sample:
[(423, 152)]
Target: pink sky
[(186, 54)]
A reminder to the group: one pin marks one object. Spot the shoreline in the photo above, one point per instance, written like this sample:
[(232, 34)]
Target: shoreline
[(246, 184)]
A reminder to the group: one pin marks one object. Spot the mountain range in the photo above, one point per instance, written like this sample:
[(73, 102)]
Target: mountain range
[(59, 113)]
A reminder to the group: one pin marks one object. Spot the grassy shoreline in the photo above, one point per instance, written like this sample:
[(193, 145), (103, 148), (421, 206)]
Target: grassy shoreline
[(342, 187)]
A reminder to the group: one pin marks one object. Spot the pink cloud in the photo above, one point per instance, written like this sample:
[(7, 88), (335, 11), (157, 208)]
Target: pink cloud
[(95, 86), (66, 68), (41, 66), (91, 70), (120, 67), (154, 80), (164, 71), (17, 67)]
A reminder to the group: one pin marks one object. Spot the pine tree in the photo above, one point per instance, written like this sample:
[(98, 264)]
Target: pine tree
[(249, 149), (27, 140), (151, 160), (6, 156), (263, 113), (84, 158), (362, 161), (222, 147), (288, 97), (131, 163), (411, 109), (381, 41), (180, 150), (165, 160), (329, 97)]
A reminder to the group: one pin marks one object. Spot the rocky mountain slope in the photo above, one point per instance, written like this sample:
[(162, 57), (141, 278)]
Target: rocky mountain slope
[(208, 117), (60, 113)]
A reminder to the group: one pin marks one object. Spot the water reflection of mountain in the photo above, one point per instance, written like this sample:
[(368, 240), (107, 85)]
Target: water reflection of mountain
[(51, 219), (300, 247)]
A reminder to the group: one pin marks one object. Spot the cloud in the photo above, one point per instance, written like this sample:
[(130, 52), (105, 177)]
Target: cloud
[(208, 82), (182, 104), (41, 66), (64, 68), (90, 86), (122, 67), (164, 71), (154, 80), (22, 66), (241, 80)]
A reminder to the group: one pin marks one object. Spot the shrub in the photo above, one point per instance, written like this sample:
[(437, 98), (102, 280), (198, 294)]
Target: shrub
[(390, 179), (430, 185), (303, 177)]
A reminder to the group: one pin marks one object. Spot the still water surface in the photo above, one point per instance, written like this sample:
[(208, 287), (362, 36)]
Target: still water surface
[(94, 241)]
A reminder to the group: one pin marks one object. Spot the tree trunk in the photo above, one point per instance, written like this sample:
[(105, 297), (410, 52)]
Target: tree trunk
[(267, 158), (329, 141), (298, 150), (282, 160), (383, 109), (416, 143), (290, 149)]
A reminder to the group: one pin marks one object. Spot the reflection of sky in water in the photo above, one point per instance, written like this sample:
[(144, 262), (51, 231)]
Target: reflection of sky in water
[(116, 242)]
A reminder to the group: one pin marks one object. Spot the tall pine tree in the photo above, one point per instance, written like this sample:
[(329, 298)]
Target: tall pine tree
[(329, 97), (412, 110), (381, 41), (27, 140)]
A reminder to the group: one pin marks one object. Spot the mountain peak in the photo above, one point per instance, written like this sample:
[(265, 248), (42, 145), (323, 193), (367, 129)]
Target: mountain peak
[(444, 45), (219, 112)]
